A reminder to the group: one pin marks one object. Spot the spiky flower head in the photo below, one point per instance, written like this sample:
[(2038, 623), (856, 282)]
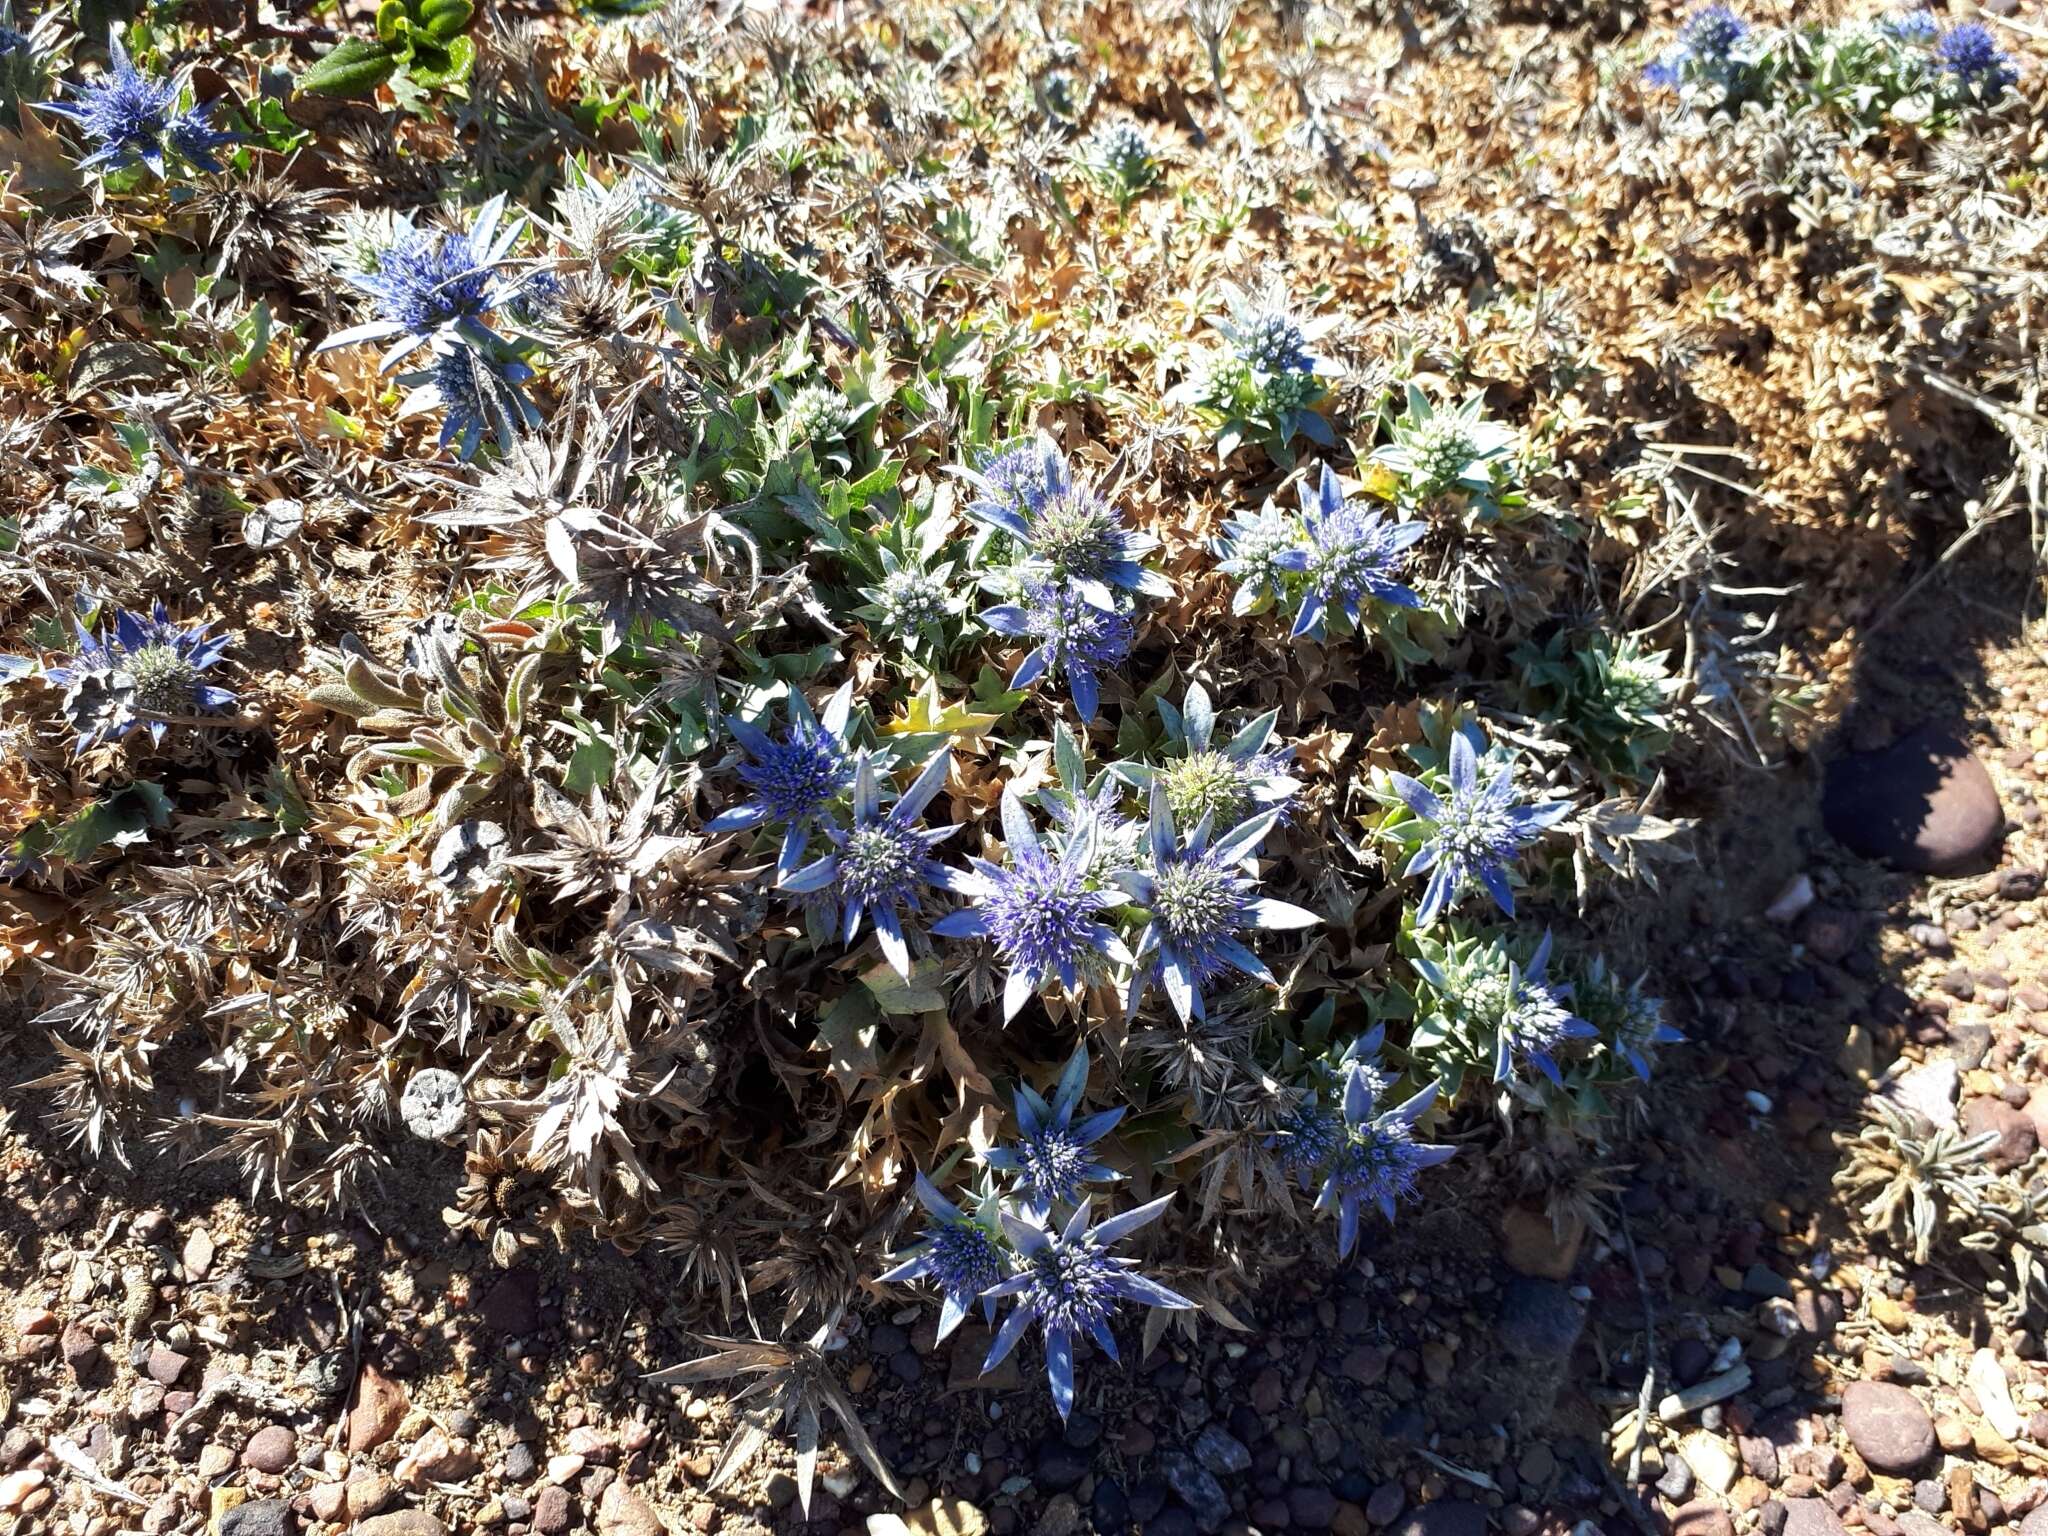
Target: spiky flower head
[(1069, 1284), (1379, 1160), (1061, 530), (913, 599), (1041, 911), (1915, 26), (882, 865), (1970, 54), (1018, 479), (1204, 905), (1225, 785), (1495, 998), (962, 1256), (438, 283), (477, 393), (1352, 556), (817, 415), (795, 779), (1262, 552), (1268, 336), (1053, 1160), (1073, 637), (148, 667), (1443, 447), (135, 120), (1476, 831), (1712, 32), (1118, 156), (1119, 839)]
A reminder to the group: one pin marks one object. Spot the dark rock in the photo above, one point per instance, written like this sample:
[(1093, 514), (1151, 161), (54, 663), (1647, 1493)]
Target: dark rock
[(1193, 1485), (1690, 1359), (1083, 1431), (1171, 1521), (513, 1304), (1924, 804), (259, 1517), (1060, 1466), (1539, 1319), (1110, 1509), (1931, 1494), (1771, 1518), (520, 1462), (1311, 1506), (1221, 1451), (1148, 1496), (1676, 1483), (1887, 1425), (1386, 1504)]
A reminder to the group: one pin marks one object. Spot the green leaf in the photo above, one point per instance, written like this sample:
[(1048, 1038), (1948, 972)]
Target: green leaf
[(354, 67), (128, 815), (847, 1031), (893, 994), (459, 56), (445, 18)]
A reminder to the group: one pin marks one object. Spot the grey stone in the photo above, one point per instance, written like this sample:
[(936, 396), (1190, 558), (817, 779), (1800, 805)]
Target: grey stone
[(1194, 1487), (1221, 1452), (259, 1517), (1539, 1319)]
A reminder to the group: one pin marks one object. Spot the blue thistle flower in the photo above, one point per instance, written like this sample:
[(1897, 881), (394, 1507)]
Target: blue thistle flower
[(1526, 1017), (1971, 54), (1062, 529), (882, 863), (795, 780), (1476, 832), (1263, 551), (1069, 1283), (1712, 33), (437, 283), (1017, 480), (1351, 556), (1075, 638), (962, 1256), (1307, 1139), (1203, 903), (1915, 26), (1223, 784), (476, 392), (133, 119), (1051, 1161), (1043, 914), (150, 666), (1378, 1160)]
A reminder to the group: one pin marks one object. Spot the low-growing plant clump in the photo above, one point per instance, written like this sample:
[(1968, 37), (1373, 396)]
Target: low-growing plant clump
[(846, 652)]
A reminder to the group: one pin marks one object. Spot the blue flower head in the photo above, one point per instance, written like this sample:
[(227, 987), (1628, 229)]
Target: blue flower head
[(1915, 26), (1476, 831), (1052, 1159), (795, 779), (1528, 1019), (882, 864), (1204, 904), (150, 667), (1224, 785), (1075, 638), (962, 1256), (1069, 1283), (1712, 33), (1971, 54), (1351, 558), (1043, 912), (1064, 532), (477, 393), (1378, 1160), (1261, 553), (133, 119), (438, 283)]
